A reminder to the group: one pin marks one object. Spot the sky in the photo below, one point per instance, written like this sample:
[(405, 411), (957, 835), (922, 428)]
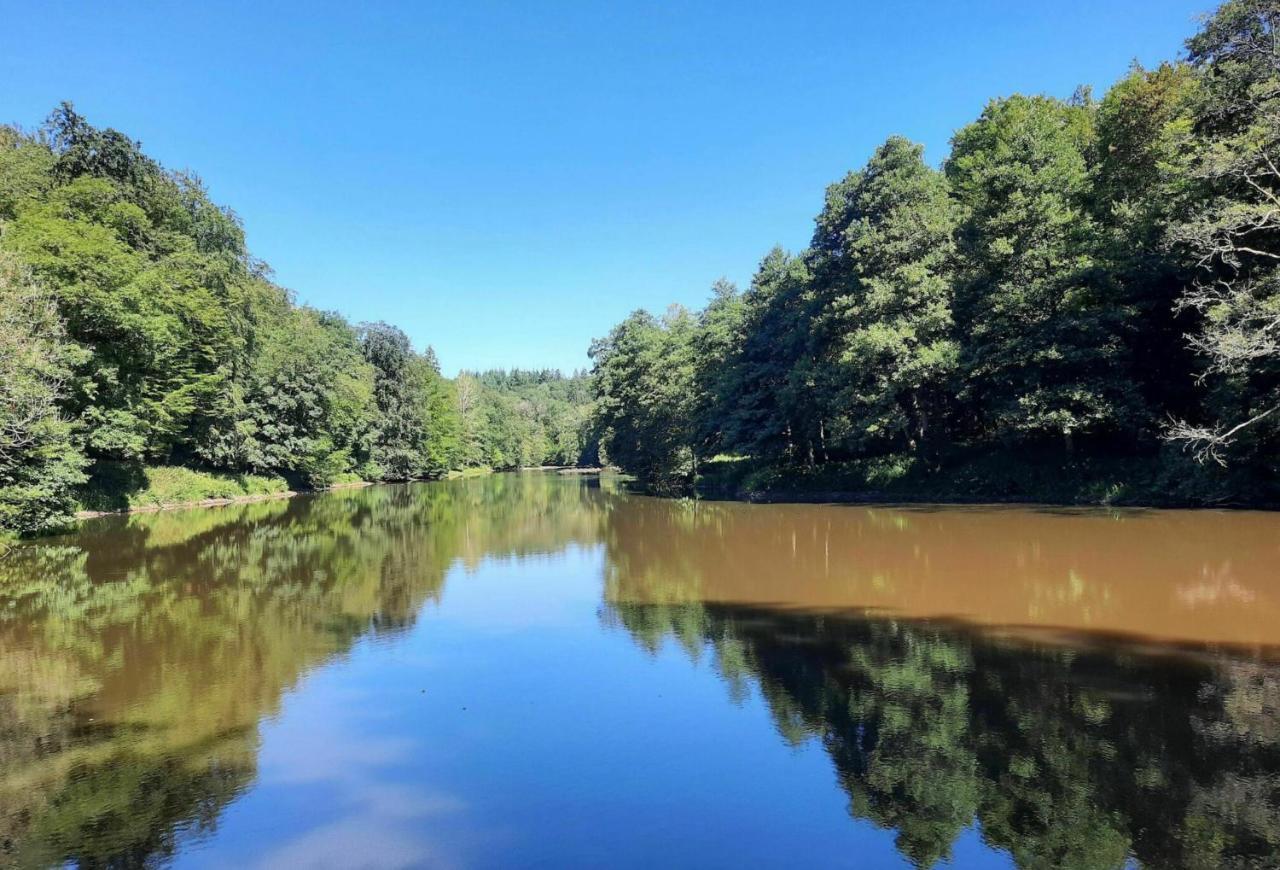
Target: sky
[(505, 181)]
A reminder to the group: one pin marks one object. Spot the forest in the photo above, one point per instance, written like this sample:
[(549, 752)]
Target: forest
[(142, 345), (1082, 303)]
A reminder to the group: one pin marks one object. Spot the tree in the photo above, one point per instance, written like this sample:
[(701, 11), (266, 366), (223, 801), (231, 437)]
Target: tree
[(1232, 160), (471, 420), (770, 398), (717, 344), (644, 374), (1042, 352), (1139, 191), (181, 350), (305, 406), (531, 417), (26, 167), (149, 275), (40, 457), (405, 391), (444, 423), (83, 149), (881, 258)]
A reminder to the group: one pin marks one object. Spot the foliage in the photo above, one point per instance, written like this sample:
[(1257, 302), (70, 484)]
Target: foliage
[(644, 372), (150, 277), (1079, 274), (883, 252), (125, 486), (522, 418), (406, 388), (1231, 229), (40, 456), (1095, 278), (1041, 335), (139, 331)]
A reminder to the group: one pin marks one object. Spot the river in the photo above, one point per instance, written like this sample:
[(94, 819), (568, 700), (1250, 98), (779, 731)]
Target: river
[(545, 670)]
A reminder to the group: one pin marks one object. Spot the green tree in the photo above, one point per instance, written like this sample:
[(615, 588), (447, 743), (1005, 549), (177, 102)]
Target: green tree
[(717, 345), (26, 171), (536, 417), (1139, 191), (406, 392), (1042, 353), (771, 401), (644, 377), (882, 256), (306, 404), (149, 276), (471, 419), (40, 457), (1232, 231), (444, 424)]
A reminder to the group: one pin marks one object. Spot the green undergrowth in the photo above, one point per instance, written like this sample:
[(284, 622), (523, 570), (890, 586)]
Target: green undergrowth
[(117, 486), (1168, 479), (469, 472)]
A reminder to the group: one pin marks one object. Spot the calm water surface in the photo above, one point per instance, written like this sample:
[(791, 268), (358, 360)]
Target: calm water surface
[(535, 670)]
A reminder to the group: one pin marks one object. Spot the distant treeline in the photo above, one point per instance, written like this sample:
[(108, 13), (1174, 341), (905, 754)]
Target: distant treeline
[(136, 327), (1081, 279), (522, 418)]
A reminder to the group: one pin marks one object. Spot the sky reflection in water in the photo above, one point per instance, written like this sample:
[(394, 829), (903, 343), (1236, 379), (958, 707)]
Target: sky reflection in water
[(547, 671)]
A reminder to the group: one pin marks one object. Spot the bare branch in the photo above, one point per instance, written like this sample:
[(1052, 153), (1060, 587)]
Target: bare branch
[(1206, 443)]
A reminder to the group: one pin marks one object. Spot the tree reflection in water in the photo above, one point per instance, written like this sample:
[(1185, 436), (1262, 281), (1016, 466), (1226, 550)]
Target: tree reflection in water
[(1066, 757), (139, 658), (1084, 749)]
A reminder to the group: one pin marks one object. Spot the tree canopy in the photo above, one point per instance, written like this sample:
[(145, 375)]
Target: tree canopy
[(137, 328), (1081, 280)]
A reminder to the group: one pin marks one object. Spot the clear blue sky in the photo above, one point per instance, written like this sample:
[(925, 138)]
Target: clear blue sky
[(507, 180)]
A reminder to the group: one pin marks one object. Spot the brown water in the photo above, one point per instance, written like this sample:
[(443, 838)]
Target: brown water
[(540, 670)]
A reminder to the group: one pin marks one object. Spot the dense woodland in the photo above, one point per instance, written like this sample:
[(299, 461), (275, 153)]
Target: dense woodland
[(520, 419), (1083, 302), (136, 329)]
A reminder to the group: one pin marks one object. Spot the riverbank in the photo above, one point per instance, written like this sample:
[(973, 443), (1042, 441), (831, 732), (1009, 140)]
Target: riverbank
[(989, 479), (131, 489), (119, 488), (468, 472), (202, 503), (1165, 481)]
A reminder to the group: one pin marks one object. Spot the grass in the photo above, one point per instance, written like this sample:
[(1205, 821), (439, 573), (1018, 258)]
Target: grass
[(470, 472), (126, 486)]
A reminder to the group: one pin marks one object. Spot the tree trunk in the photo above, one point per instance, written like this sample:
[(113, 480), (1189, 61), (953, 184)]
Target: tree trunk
[(922, 417)]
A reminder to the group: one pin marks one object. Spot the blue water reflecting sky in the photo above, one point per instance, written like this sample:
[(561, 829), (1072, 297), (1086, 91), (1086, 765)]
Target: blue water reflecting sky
[(513, 725)]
